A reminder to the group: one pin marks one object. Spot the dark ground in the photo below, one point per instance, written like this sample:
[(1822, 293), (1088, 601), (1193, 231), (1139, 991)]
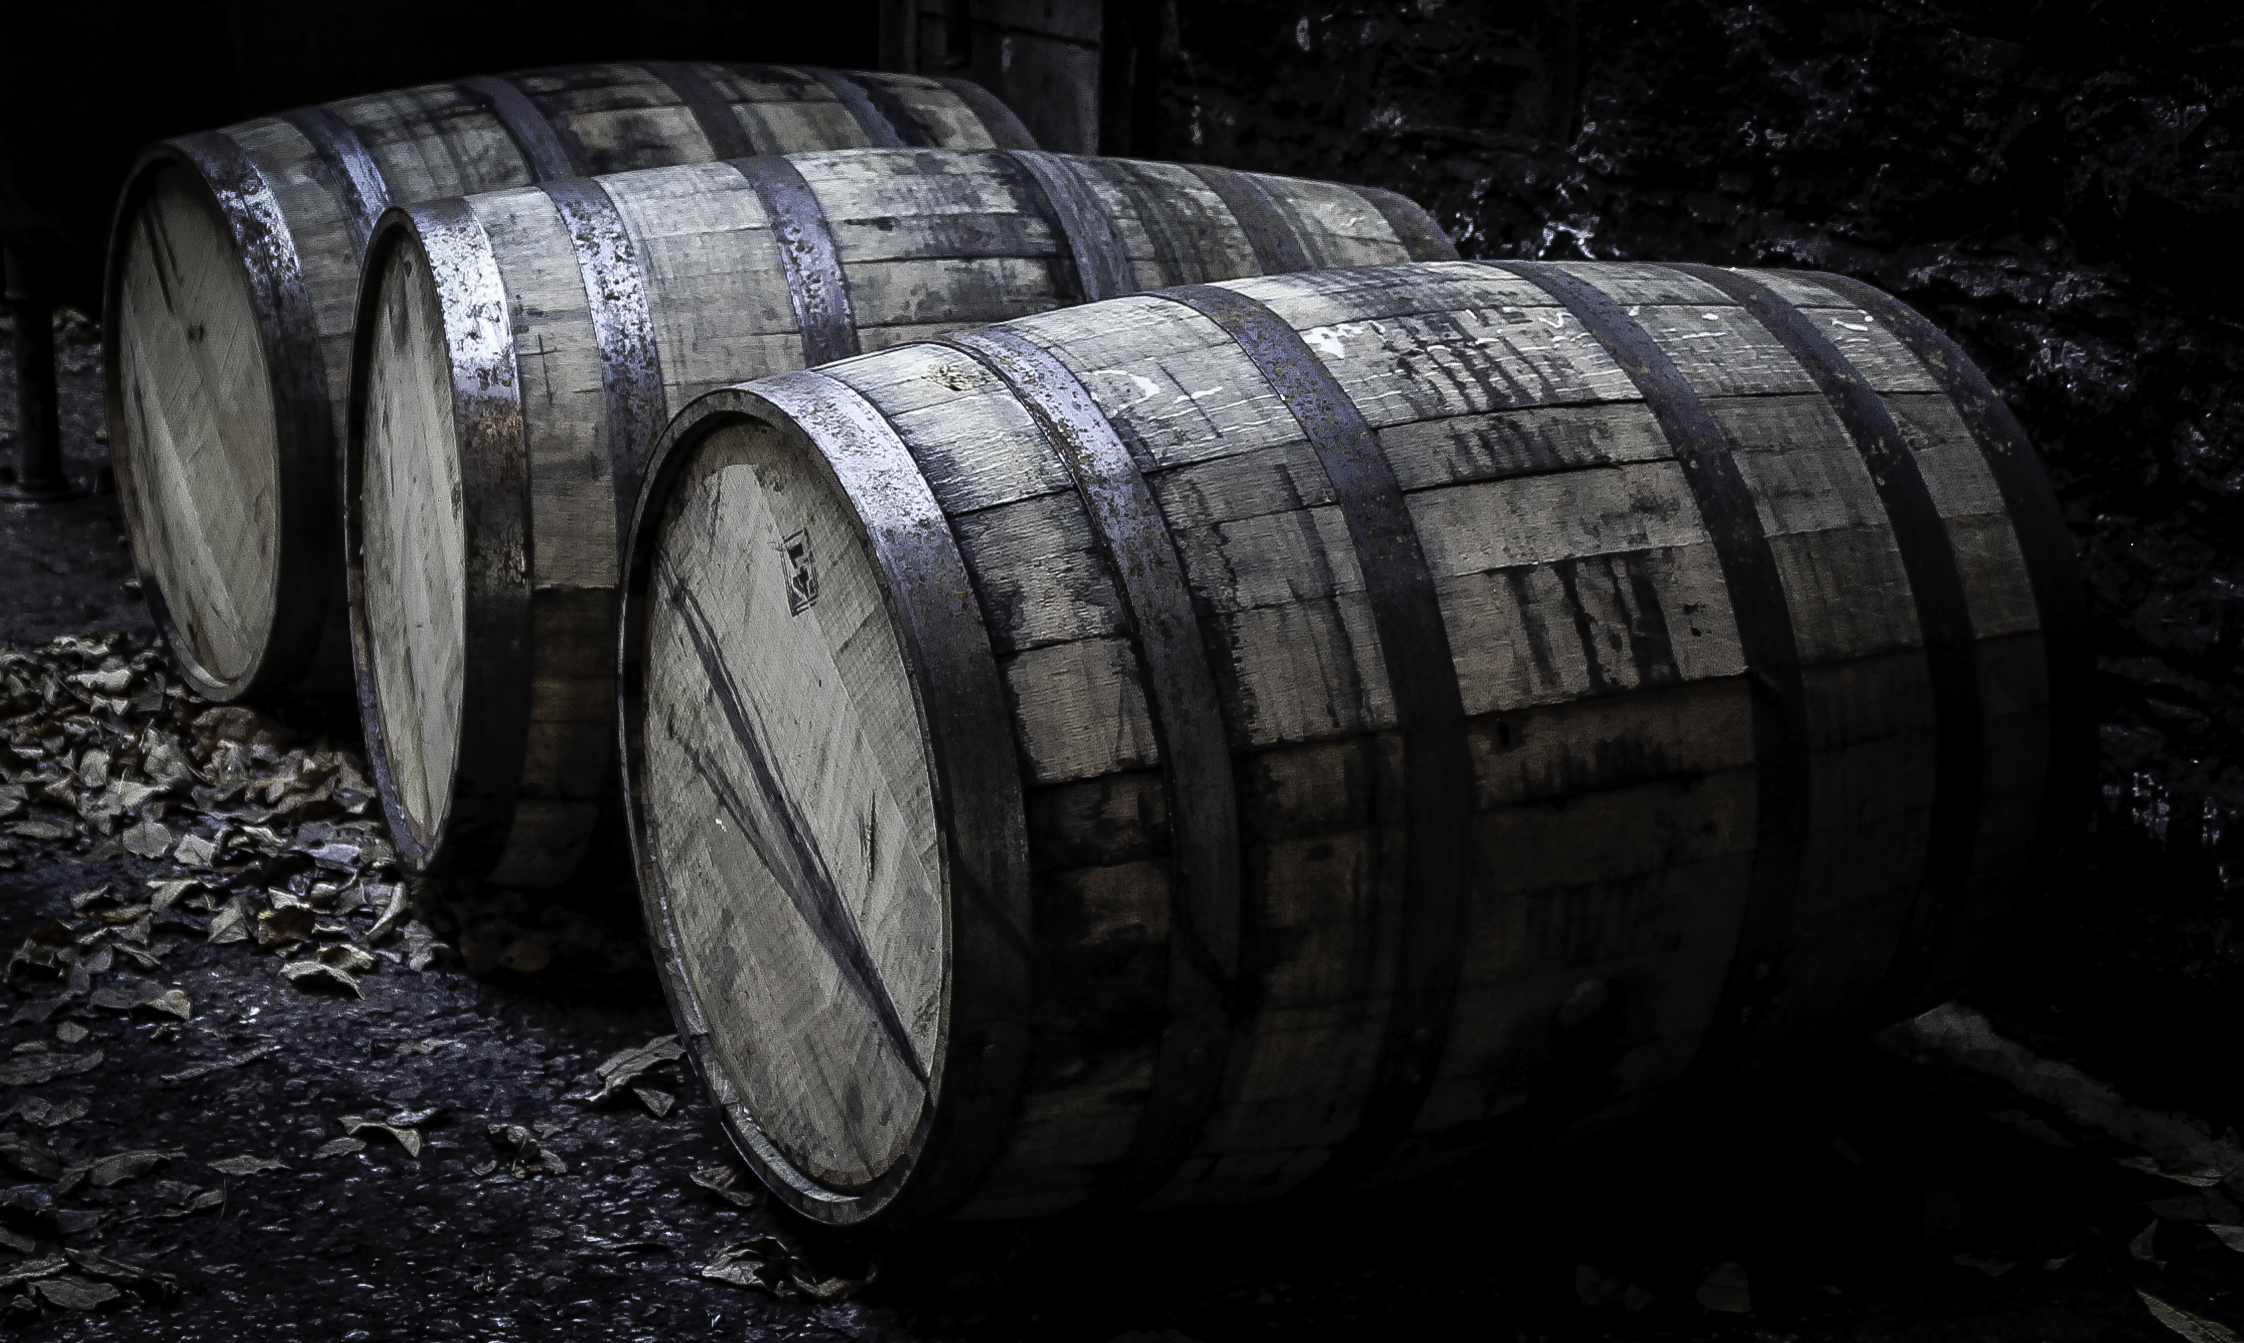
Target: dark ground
[(2056, 186)]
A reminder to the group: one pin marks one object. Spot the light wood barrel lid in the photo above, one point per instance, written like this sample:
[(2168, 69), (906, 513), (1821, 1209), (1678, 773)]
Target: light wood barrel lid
[(201, 494), (826, 793), (436, 544), (413, 542), (787, 774), (208, 430)]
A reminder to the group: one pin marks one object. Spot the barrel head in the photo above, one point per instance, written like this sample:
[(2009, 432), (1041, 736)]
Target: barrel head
[(787, 793), (195, 443)]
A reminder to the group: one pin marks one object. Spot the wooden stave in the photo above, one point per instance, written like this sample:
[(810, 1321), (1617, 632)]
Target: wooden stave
[(307, 645), (698, 420), (564, 841)]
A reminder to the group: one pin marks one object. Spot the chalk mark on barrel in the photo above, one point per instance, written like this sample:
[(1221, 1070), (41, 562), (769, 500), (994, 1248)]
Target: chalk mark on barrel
[(781, 837)]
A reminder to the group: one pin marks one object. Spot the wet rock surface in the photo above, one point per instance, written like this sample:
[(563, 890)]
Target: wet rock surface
[(2055, 189)]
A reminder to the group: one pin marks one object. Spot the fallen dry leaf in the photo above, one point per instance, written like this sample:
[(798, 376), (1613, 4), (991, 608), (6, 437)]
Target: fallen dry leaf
[(119, 1167), (731, 1184), (231, 923), (625, 1067), (343, 956), (770, 1264), (2195, 1174), (315, 973), (45, 1113), (31, 1069), (530, 1156), (127, 994), (407, 1138), (2195, 1328), (2231, 1236), (248, 1165), (162, 895), (73, 1293), (149, 839), (147, 1282), (33, 1269)]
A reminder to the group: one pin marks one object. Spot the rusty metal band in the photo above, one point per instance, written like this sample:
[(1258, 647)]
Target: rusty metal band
[(2044, 542), (1181, 692), (495, 501), (1429, 713), (1005, 129), (711, 110), (1936, 586), (1277, 246), (303, 423), (816, 285), (615, 295), (857, 100), (542, 149), (1074, 211), (357, 177), (979, 803), (1414, 228), (1766, 640)]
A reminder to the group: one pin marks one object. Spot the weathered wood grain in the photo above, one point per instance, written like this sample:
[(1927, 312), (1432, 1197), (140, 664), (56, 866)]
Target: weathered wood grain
[(1616, 694), (328, 173)]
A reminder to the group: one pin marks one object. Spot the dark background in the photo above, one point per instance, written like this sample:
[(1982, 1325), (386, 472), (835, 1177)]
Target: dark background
[(2057, 185)]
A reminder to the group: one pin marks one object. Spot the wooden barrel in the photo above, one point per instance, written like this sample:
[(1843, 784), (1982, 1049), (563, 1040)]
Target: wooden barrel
[(1305, 728), (521, 351), (233, 270)]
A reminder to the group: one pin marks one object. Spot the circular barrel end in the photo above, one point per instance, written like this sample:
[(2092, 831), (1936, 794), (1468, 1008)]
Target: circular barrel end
[(407, 523), (196, 433), (784, 809)]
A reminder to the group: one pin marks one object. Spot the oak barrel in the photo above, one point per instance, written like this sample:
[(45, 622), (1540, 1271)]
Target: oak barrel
[(1310, 727), (234, 265), (521, 351)]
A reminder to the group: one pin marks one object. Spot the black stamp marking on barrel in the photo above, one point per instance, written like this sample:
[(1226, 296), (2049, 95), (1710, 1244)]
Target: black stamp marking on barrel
[(802, 572)]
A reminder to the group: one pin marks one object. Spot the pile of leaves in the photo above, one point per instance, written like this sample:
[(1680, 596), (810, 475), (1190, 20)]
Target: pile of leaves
[(275, 839)]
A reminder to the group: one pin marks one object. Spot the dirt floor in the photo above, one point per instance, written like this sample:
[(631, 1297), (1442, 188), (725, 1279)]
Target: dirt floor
[(1867, 1198)]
